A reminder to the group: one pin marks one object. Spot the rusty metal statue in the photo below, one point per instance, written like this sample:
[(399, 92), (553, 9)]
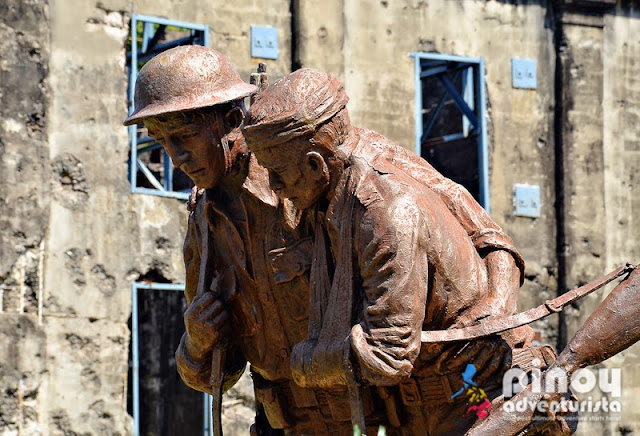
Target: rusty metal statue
[(248, 254), (392, 263), (385, 243), (325, 293), (191, 100)]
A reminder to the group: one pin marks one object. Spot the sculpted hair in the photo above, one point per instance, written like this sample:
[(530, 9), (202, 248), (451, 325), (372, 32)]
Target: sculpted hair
[(333, 133)]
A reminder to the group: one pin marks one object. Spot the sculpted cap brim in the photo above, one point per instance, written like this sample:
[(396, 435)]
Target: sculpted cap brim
[(161, 108)]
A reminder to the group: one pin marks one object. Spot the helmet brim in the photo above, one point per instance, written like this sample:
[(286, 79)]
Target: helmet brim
[(237, 92)]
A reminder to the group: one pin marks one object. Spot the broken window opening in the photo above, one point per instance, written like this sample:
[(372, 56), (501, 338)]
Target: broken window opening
[(150, 168), (450, 115), (154, 386)]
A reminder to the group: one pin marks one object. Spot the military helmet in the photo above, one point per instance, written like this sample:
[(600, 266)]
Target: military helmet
[(185, 78)]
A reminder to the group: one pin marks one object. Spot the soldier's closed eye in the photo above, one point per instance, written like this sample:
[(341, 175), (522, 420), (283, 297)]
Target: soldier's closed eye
[(274, 178), (274, 173), (190, 134), (280, 170)]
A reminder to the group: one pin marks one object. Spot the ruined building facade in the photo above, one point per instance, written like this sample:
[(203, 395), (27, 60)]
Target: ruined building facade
[(73, 238)]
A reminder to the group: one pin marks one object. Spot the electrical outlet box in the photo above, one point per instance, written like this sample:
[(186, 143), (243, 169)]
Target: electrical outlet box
[(526, 200), (523, 73), (264, 42)]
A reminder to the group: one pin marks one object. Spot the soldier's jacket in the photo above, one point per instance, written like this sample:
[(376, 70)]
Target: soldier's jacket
[(268, 317), (483, 231), (400, 262), (270, 304), (403, 262)]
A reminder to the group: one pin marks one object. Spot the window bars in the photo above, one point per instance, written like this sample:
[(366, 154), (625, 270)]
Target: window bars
[(462, 80), (150, 169)]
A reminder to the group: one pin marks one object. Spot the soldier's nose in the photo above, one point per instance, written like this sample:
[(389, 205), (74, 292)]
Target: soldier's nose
[(275, 181), (177, 153), (181, 158)]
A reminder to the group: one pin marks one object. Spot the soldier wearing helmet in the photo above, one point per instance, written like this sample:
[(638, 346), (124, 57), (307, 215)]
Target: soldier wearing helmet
[(180, 92), (246, 245), (191, 99)]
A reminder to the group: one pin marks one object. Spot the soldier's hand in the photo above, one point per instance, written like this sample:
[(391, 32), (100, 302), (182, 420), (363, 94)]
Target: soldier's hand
[(489, 356), (206, 322), (480, 312), (194, 197)]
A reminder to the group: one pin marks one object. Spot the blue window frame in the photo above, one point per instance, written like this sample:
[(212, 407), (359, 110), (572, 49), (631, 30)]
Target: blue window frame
[(150, 169), (452, 82), (207, 425)]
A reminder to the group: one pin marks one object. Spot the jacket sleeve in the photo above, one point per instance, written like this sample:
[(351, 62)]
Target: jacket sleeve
[(196, 371), (392, 258), (485, 233)]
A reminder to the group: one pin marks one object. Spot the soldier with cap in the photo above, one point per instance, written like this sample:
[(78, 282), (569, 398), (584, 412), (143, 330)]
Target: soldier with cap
[(247, 252), (389, 260)]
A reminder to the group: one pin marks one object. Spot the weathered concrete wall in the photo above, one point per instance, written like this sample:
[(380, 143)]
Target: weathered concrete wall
[(230, 25), (621, 114), (621, 111), (24, 189), (97, 237), (581, 165), (22, 374), (24, 211), (320, 36), (66, 207), (582, 155)]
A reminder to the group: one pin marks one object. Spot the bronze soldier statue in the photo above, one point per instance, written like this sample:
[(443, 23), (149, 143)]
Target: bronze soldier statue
[(392, 264), (265, 278), (192, 101), (390, 259), (247, 254)]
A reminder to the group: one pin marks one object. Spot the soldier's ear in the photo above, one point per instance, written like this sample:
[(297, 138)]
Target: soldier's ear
[(234, 118), (317, 166)]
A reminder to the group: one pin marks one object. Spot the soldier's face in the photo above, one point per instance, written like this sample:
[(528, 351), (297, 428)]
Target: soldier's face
[(294, 176), (194, 145)]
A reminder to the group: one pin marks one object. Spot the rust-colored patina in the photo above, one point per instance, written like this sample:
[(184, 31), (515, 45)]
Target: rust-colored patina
[(499, 325), (392, 259), (322, 266), (611, 328), (202, 78), (397, 249)]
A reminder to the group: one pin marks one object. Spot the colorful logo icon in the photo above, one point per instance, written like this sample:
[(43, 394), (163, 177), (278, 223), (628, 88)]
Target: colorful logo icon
[(476, 397)]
